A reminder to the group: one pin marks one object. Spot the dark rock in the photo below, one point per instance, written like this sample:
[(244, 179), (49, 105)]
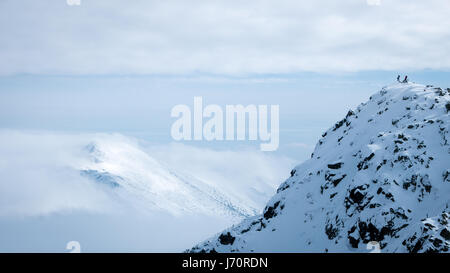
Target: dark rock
[(331, 231), (353, 242), (293, 172), (356, 196), (363, 164), (350, 113), (226, 239), (270, 211), (335, 166), (339, 124), (445, 233)]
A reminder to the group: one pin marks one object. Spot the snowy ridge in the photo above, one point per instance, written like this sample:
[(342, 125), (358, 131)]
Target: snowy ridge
[(133, 176), (380, 174)]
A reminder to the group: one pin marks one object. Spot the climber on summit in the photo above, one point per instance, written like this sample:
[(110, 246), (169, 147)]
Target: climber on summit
[(398, 78), (406, 79)]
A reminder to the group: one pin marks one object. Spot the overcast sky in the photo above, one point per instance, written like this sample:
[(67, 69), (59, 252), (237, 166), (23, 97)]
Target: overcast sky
[(222, 37), (316, 59)]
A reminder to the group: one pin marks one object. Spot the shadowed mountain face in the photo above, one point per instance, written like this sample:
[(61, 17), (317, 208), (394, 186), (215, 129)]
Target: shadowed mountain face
[(378, 177)]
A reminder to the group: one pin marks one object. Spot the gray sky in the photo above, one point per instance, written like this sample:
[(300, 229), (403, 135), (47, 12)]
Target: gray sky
[(222, 37), (120, 66)]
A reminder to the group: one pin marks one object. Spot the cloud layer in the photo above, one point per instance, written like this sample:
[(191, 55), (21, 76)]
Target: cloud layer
[(221, 37), (249, 174), (36, 178), (45, 203), (40, 173)]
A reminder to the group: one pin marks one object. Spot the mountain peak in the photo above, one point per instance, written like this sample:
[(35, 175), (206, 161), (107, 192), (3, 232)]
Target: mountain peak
[(380, 176)]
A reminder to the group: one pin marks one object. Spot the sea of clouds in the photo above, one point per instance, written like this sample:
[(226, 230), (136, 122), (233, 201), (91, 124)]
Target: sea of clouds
[(45, 202)]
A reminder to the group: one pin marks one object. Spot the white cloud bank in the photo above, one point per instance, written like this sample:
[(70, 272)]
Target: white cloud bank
[(40, 175), (223, 37), (35, 178), (249, 174), (45, 202)]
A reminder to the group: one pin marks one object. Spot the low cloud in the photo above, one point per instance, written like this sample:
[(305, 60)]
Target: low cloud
[(36, 178), (45, 203), (39, 172), (248, 174)]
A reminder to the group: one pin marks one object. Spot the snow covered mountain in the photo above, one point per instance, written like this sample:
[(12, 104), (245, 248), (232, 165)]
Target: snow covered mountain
[(134, 176), (380, 176)]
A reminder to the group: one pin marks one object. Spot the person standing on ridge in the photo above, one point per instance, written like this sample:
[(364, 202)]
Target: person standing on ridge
[(398, 78), (406, 79)]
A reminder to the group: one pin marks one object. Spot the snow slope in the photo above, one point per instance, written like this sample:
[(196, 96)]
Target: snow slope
[(134, 176), (380, 174)]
